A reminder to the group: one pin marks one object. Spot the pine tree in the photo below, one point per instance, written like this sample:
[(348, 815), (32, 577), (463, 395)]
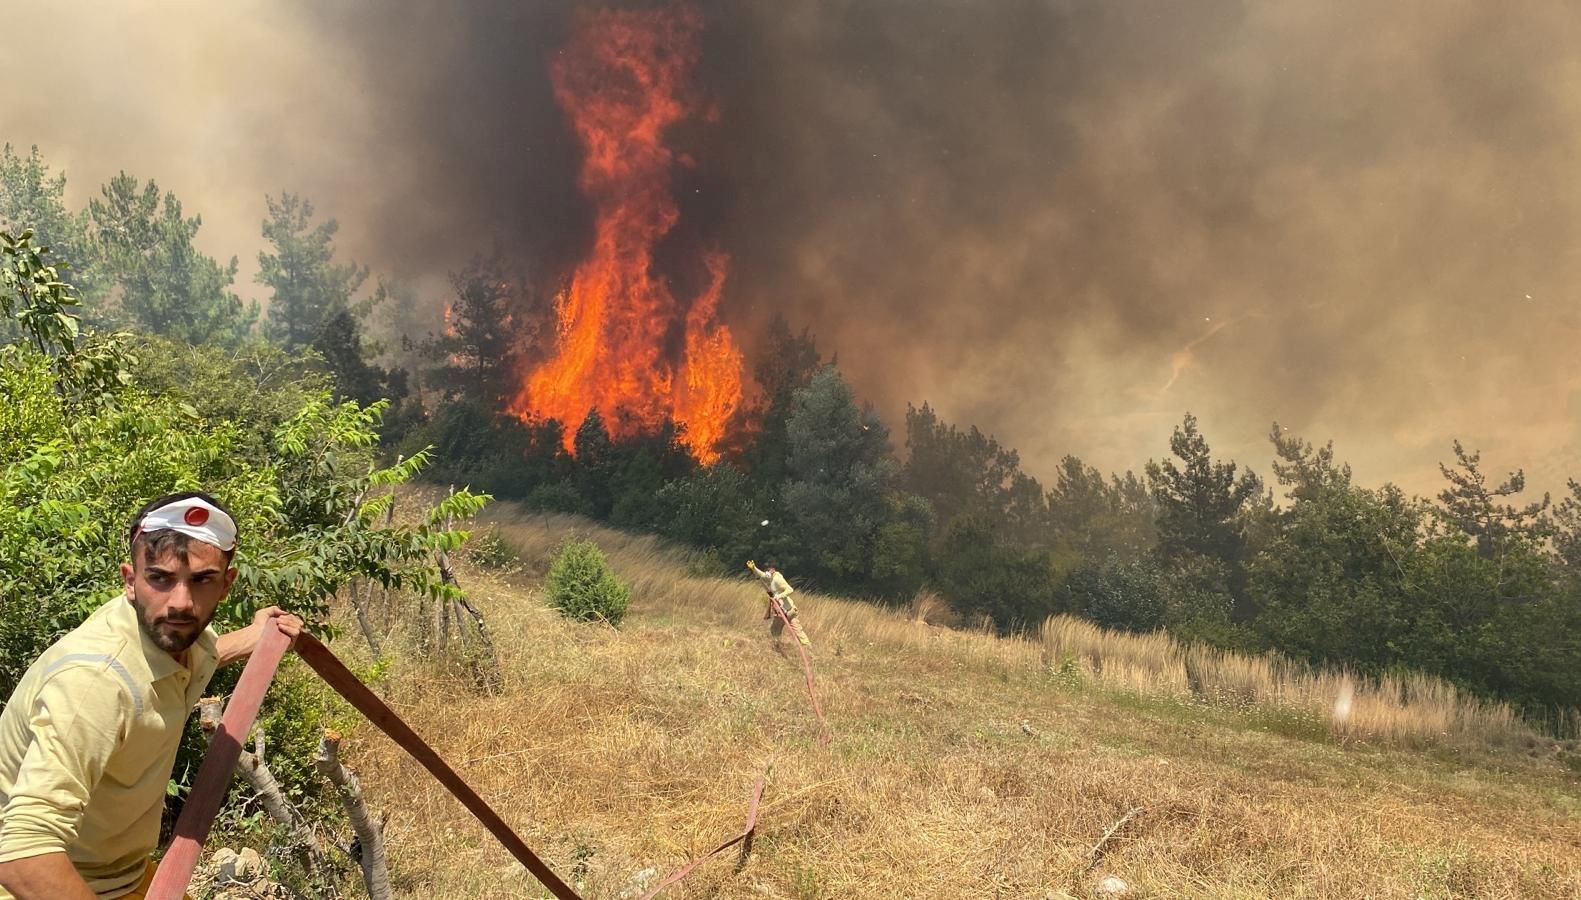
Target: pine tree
[(1095, 520), (479, 347), (787, 364), (167, 285), (595, 464), (1567, 535), (1202, 514), (840, 476), (1200, 500), (1476, 509), (32, 198), (970, 473), (308, 286)]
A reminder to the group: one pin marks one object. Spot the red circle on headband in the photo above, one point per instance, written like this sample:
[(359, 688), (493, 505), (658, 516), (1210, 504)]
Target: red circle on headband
[(196, 516)]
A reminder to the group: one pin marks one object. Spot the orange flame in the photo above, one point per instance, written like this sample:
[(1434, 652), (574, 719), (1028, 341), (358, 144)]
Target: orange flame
[(622, 82)]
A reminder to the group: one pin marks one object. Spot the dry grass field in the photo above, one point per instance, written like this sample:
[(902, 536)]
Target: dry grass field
[(961, 766)]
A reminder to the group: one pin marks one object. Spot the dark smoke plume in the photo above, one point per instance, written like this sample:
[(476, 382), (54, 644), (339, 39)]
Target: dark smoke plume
[(1067, 222)]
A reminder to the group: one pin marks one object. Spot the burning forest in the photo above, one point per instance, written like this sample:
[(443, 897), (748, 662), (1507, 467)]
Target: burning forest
[(623, 343)]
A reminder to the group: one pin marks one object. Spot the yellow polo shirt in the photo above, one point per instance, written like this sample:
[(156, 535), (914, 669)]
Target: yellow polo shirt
[(87, 745)]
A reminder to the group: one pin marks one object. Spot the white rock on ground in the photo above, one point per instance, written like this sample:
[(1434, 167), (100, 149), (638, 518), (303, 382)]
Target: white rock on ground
[(245, 866), (1113, 886)]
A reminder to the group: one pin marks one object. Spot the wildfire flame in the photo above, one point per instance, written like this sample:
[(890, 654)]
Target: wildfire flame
[(623, 82)]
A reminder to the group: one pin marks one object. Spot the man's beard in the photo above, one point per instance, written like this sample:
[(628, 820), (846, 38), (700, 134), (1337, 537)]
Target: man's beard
[(177, 639)]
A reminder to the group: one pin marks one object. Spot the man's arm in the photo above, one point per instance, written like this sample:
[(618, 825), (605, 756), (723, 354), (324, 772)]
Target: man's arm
[(241, 643), (50, 876), (76, 722)]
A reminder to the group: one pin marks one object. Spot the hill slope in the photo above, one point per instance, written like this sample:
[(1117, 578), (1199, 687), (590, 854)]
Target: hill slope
[(961, 766)]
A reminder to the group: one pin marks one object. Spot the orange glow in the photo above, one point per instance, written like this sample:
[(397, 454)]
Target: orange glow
[(623, 82)]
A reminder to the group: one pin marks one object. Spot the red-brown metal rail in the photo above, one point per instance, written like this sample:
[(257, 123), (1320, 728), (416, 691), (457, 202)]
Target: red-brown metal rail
[(336, 675), (806, 667), (214, 776)]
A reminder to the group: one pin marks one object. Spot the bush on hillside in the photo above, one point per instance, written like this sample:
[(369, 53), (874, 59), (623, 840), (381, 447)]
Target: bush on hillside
[(985, 577), (491, 551), (582, 585), (557, 497), (1127, 596)]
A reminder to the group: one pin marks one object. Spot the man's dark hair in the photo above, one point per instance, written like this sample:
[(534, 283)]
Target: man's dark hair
[(160, 541)]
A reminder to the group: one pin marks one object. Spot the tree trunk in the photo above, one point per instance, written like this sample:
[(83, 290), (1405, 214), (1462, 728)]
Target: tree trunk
[(255, 772), (389, 521), (370, 836), (441, 624), (460, 604), (362, 616)]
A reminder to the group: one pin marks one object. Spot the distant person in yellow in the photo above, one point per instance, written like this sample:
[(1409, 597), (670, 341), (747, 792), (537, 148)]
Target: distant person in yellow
[(89, 738), (779, 590)]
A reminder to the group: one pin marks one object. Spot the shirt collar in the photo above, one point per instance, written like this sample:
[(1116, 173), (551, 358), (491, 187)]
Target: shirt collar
[(160, 663)]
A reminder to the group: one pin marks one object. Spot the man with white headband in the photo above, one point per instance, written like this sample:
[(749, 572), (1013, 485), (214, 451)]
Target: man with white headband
[(88, 740)]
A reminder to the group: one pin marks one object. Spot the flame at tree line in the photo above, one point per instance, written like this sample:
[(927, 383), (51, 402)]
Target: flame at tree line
[(622, 81)]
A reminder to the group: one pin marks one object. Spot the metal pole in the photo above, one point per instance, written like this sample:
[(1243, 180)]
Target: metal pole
[(214, 776)]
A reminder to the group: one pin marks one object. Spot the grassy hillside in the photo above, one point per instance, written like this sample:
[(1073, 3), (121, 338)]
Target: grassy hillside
[(961, 765)]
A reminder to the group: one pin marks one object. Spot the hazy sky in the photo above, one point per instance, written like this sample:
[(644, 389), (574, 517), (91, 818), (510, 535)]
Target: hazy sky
[(1066, 222)]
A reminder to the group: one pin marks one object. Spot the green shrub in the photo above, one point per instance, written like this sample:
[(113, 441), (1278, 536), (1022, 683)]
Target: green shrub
[(491, 551), (557, 497), (1119, 594), (708, 564), (582, 585)]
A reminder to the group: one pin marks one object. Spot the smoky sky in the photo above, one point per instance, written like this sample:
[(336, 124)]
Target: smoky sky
[(1065, 222)]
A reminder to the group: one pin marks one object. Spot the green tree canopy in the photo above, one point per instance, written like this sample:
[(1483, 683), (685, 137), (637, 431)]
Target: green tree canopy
[(478, 350), (339, 343), (75, 463), (1567, 534), (840, 476), (167, 286), (982, 575), (1477, 508), (1331, 584), (786, 364), (1203, 510), (1093, 519), (970, 473), (33, 199), (307, 287), (1200, 500)]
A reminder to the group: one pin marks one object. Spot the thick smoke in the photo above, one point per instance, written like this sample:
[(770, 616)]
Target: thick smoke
[(1066, 222)]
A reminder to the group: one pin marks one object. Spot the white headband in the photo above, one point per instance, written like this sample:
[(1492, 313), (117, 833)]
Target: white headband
[(193, 518)]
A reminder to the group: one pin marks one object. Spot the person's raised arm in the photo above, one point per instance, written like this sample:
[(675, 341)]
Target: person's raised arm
[(241, 643)]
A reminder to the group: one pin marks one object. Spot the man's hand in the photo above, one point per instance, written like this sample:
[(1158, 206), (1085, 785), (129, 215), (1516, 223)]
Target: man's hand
[(241, 643), (290, 625), (752, 565)]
